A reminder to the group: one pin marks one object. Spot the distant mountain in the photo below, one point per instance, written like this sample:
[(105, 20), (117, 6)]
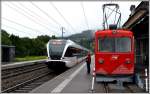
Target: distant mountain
[(88, 35), (85, 38)]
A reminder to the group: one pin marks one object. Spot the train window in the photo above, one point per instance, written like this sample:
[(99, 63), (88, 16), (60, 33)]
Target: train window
[(69, 52), (123, 44), (56, 49), (108, 44)]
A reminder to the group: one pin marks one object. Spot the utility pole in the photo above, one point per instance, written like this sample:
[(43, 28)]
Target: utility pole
[(62, 28)]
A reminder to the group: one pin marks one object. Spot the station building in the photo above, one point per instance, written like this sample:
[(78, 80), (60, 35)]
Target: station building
[(138, 23), (8, 54)]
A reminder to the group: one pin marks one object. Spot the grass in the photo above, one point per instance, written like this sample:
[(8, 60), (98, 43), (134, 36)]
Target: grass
[(29, 58)]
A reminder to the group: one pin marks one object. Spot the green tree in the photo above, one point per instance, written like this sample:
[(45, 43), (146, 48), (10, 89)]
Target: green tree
[(17, 42), (53, 37), (38, 47), (5, 40), (27, 43), (26, 46), (44, 38)]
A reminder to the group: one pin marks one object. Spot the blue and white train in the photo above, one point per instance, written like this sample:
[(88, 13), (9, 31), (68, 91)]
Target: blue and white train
[(64, 53)]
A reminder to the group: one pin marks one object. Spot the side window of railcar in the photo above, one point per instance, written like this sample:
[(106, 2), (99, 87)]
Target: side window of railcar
[(69, 52)]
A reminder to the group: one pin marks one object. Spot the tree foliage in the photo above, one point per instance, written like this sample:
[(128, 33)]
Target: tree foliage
[(5, 38), (26, 46)]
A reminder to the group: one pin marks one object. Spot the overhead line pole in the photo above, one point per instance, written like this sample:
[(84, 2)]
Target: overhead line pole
[(62, 29)]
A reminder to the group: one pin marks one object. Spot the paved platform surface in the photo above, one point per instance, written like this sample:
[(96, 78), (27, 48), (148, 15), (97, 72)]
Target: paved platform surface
[(75, 80), (81, 83)]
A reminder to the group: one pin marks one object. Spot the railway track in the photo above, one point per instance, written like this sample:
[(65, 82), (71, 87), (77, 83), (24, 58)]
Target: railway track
[(126, 88), (106, 88), (111, 87), (16, 75), (21, 72), (24, 78), (28, 85), (18, 78), (132, 88)]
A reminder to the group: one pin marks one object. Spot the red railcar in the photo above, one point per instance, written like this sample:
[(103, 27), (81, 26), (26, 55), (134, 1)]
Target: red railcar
[(114, 53)]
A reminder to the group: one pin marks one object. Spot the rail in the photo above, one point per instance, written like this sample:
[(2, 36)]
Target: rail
[(23, 77), (14, 74)]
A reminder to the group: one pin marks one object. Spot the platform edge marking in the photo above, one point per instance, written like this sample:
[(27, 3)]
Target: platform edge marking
[(62, 85)]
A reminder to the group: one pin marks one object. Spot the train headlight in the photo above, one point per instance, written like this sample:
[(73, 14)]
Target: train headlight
[(101, 61), (127, 61)]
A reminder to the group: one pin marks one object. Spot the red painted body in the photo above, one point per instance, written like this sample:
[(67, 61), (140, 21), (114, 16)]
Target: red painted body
[(114, 63)]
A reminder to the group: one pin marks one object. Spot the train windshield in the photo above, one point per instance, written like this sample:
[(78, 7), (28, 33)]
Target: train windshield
[(110, 44), (56, 48)]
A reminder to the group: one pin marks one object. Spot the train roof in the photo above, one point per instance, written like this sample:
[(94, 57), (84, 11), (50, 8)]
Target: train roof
[(68, 43), (58, 41), (111, 32)]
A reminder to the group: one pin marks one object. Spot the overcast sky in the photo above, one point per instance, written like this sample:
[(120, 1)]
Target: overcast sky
[(30, 19)]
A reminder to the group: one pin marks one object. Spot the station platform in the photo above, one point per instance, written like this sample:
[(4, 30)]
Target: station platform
[(21, 64), (76, 80)]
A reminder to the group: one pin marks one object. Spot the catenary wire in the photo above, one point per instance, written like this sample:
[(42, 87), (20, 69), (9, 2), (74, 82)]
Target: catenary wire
[(22, 25), (85, 17), (17, 30), (36, 15), (46, 14), (27, 17), (30, 15), (62, 16)]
